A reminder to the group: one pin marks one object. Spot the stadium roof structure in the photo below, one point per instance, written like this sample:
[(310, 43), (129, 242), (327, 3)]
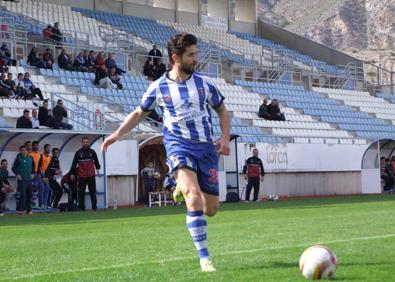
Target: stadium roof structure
[(376, 150)]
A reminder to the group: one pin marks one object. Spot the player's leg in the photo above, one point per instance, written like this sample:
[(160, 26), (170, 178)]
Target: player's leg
[(196, 221)]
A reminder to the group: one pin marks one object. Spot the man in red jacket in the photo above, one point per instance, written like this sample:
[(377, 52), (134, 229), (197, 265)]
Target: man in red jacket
[(253, 172), (84, 163)]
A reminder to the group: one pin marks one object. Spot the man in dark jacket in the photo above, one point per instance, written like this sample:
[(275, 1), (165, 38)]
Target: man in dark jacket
[(110, 63), (84, 163), (274, 111), (253, 172), (43, 115), (23, 168), (4, 185), (24, 121), (53, 171), (60, 112), (64, 61), (263, 110), (57, 34)]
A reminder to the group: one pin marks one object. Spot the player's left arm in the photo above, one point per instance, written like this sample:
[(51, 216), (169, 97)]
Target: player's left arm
[(224, 121)]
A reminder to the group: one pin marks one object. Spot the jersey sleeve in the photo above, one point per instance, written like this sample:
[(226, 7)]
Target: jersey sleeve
[(215, 97), (148, 102)]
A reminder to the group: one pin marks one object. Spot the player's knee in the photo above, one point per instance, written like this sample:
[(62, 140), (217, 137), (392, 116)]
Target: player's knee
[(211, 210)]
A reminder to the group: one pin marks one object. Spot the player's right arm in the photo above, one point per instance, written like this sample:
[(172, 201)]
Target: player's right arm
[(131, 121)]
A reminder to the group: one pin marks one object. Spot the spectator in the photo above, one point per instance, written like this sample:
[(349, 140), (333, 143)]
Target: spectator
[(102, 78), (5, 89), (79, 62), (35, 120), (31, 90), (64, 61), (45, 159), (48, 58), (54, 171), (69, 184), (115, 78), (57, 34), (263, 110), (20, 88), (33, 60), (92, 60), (23, 169), (99, 61), (87, 63), (155, 52), (44, 116), (149, 178), (5, 186), (148, 69), (110, 63), (387, 174), (4, 63), (37, 180), (159, 68), (84, 163), (274, 111), (24, 121), (7, 54), (47, 32), (253, 172), (60, 112), (28, 146)]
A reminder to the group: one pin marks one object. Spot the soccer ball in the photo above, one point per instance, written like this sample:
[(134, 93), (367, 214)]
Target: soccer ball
[(318, 262)]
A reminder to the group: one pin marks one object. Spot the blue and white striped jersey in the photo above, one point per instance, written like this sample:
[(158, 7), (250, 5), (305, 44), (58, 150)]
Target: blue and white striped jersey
[(185, 106)]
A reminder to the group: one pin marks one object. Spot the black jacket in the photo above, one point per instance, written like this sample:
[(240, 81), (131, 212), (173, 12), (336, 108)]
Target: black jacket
[(64, 61), (59, 113), (100, 74), (52, 167), (272, 110), (263, 111), (43, 116), (254, 167), (86, 161), (23, 123)]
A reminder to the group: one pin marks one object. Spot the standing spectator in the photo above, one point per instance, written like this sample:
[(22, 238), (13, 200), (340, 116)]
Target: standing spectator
[(115, 79), (47, 32), (159, 68), (20, 88), (79, 62), (253, 172), (23, 169), (34, 60), (37, 180), (84, 163), (24, 121), (35, 120), (57, 34), (30, 88), (60, 112), (64, 61), (263, 110), (5, 186), (99, 61), (54, 171), (44, 116), (69, 184), (102, 78), (274, 111), (48, 58), (45, 159), (149, 178), (110, 63), (155, 52)]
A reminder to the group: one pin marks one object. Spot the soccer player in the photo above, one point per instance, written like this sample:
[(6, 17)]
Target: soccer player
[(184, 97)]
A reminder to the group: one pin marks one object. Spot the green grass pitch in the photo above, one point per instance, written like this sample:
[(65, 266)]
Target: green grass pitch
[(248, 242)]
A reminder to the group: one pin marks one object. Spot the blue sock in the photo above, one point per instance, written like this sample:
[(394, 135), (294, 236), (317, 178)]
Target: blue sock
[(197, 226)]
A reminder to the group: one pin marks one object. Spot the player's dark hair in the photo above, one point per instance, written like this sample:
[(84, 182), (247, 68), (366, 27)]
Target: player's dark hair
[(46, 146), (178, 43), (3, 160)]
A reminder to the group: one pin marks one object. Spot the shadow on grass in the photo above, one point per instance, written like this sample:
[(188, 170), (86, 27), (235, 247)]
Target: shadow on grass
[(108, 215)]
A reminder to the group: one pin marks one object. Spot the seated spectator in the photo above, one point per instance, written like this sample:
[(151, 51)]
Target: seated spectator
[(148, 69), (35, 120), (7, 54), (57, 34), (30, 88), (87, 62), (44, 116), (99, 61), (20, 92), (48, 59), (47, 32), (263, 110), (159, 68), (64, 61), (102, 78), (5, 89), (33, 60), (24, 121), (110, 63), (92, 60), (79, 62), (274, 111), (4, 63), (60, 112), (115, 78), (155, 52)]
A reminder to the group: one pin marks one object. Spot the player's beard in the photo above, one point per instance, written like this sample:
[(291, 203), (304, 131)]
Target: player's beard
[(188, 68)]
